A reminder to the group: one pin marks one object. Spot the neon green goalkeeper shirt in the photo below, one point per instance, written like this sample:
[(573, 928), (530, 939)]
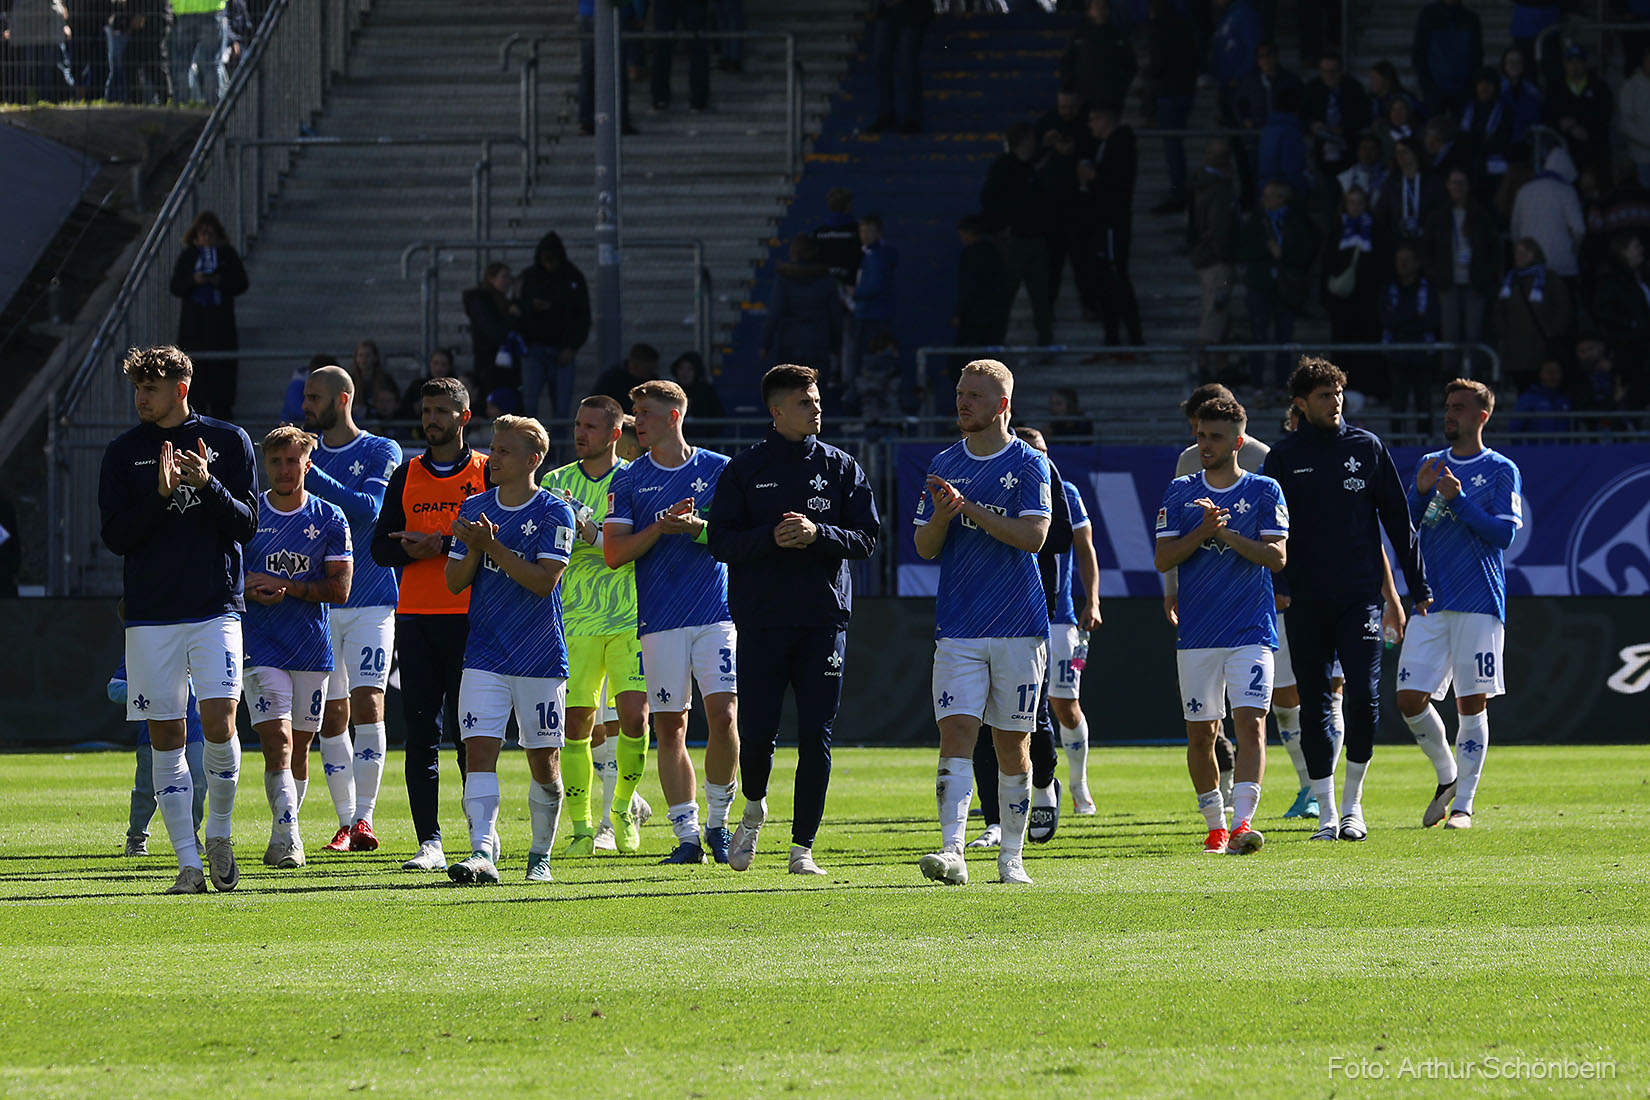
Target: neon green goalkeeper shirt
[(595, 600)]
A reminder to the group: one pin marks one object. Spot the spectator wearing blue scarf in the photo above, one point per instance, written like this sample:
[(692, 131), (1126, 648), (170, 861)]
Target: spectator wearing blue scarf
[(1278, 245), (1409, 315), (1532, 314)]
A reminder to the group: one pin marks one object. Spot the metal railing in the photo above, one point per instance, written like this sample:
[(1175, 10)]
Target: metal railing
[(430, 286), (278, 88), (529, 134), (1600, 27), (481, 175)]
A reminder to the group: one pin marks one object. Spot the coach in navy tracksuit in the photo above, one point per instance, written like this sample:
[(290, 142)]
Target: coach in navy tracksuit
[(1342, 488), (788, 516)]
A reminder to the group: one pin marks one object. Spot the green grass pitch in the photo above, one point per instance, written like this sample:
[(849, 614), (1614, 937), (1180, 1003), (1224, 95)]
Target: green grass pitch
[(1135, 967)]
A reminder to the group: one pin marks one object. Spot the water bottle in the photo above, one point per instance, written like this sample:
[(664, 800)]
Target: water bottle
[(1390, 636), (1435, 510), (1080, 653)]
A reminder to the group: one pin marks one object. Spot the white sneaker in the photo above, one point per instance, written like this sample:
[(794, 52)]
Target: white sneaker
[(1083, 803), (289, 855), (1459, 819), (991, 838), (1012, 871), (1439, 806), (538, 867), (190, 881), (639, 809), (948, 867), (802, 863), (430, 857), (742, 849), (603, 841), (220, 863)]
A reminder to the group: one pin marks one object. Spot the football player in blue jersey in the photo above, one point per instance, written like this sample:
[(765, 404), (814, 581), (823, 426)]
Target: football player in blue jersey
[(984, 514), (351, 468), (1225, 529), (299, 562), (657, 519), (1467, 503), (510, 546)]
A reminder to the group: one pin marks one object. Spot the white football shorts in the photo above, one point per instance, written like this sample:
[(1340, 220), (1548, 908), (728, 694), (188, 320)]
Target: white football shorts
[(274, 693), (672, 660), (1209, 676), (1065, 673), (162, 659), (363, 646), (1459, 647), (485, 700), (993, 680)]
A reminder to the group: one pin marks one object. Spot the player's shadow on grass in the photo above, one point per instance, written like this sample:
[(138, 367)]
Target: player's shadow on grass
[(482, 898)]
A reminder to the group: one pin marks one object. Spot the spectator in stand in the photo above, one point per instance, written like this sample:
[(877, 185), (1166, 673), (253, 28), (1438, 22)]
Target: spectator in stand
[(1464, 255), (1624, 208), (1633, 120), (1109, 174), (1385, 86), (493, 317), (585, 24), (1407, 198), (985, 288), (1015, 203), (1100, 61), (896, 47), (1066, 419), (1448, 49), (1282, 148), (640, 365), (1214, 233), (1395, 125), (1335, 110), (880, 388), (1530, 18), (1320, 27), (1549, 394), (1368, 173), (670, 15), (1172, 73), (1580, 107), (88, 56), (1278, 246), (1062, 132), (1486, 130), (1352, 289), (1409, 315), (292, 405), (1519, 93), (804, 321), (876, 296), (443, 364), (690, 373), (209, 277), (503, 401), (199, 28), (1258, 95), (1600, 388), (554, 300), (1548, 211), (1232, 53), (39, 31), (838, 238), (1621, 303), (1532, 313), (1441, 141), (138, 38)]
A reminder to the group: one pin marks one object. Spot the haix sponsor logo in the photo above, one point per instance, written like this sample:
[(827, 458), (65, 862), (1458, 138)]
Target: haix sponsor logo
[(285, 562), (818, 504), (1353, 484), (1001, 511)]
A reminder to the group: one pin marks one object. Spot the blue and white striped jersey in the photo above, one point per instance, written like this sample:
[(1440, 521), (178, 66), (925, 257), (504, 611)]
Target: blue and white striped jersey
[(987, 588), (356, 476), (512, 631), (1225, 600), (293, 634), (678, 582), (1065, 565), (1467, 572)]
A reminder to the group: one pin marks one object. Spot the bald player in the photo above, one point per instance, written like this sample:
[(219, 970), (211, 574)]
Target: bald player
[(351, 469)]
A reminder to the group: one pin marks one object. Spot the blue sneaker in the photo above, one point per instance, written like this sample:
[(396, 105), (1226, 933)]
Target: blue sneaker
[(718, 840), (1305, 804), (686, 852)]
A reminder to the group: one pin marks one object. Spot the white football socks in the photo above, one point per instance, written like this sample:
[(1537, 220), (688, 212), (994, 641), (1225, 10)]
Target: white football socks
[(1213, 808), (369, 767), (1014, 808), (481, 807), (282, 793), (1076, 744), (756, 813), (1245, 797), (223, 771), (175, 798), (954, 791), (718, 800), (544, 807), (605, 759), (1324, 791), (302, 786), (684, 821), (1472, 740), (1428, 730), (1289, 732), (1337, 725), (1352, 795), (337, 760), (1226, 786)]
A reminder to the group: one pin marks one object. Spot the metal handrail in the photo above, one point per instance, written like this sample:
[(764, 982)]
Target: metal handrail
[(481, 176), (530, 63), (430, 290), (1559, 28), (923, 353)]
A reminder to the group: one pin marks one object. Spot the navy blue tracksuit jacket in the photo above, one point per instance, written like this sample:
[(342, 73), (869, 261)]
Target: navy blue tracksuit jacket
[(1342, 489), (791, 606)]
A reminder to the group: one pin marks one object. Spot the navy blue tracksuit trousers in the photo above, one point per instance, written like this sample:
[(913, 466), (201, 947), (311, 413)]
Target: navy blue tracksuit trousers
[(1320, 630), (810, 661)]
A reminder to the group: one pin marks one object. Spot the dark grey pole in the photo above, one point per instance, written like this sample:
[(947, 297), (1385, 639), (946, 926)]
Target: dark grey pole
[(606, 307)]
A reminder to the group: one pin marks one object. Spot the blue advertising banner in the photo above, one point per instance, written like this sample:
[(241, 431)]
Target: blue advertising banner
[(1586, 516)]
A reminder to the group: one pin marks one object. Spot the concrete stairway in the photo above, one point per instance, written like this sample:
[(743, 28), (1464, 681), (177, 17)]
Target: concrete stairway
[(325, 270)]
